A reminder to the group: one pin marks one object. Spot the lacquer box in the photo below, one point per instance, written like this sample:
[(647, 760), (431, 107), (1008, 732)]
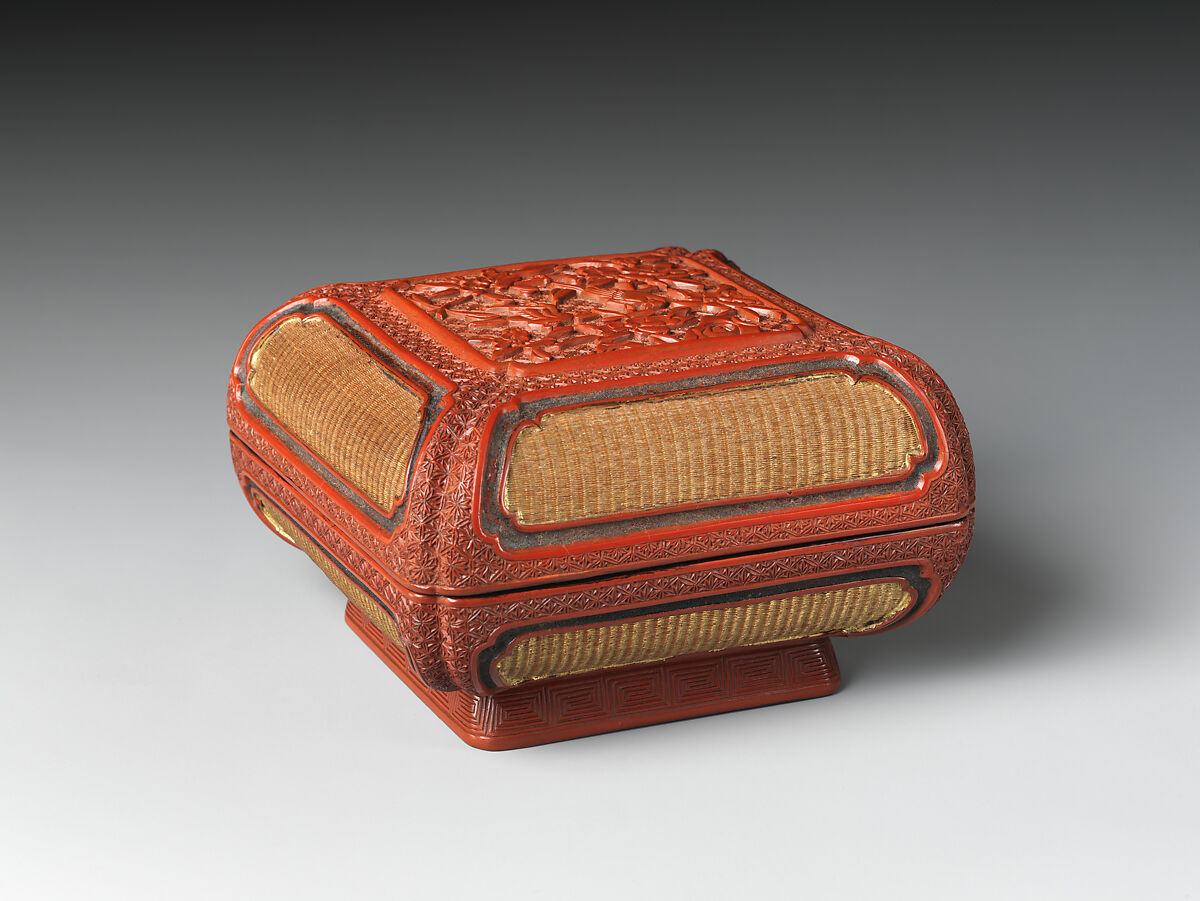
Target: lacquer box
[(578, 495)]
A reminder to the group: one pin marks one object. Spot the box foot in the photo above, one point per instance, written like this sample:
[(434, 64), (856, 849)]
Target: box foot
[(615, 699)]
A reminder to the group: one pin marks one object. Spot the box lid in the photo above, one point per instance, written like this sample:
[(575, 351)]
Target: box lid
[(515, 425)]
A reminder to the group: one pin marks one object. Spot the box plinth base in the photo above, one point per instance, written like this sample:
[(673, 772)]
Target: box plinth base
[(616, 699)]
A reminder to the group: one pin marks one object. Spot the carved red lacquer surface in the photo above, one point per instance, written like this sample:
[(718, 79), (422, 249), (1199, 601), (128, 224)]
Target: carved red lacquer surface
[(538, 312)]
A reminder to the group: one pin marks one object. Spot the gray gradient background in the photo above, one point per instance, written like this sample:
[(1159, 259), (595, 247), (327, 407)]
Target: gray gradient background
[(184, 713)]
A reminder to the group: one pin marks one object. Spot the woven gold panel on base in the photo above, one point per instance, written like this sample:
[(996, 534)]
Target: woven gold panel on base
[(355, 595), (845, 609)]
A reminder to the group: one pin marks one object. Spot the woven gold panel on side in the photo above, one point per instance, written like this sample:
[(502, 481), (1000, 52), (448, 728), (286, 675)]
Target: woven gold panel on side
[(797, 433), (359, 598), (846, 609), (334, 397)]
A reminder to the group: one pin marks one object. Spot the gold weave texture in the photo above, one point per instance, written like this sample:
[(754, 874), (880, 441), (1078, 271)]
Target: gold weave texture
[(634, 456), (359, 598), (334, 397), (849, 608)]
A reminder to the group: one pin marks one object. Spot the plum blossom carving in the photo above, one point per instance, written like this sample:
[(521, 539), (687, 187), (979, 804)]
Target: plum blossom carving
[(541, 312)]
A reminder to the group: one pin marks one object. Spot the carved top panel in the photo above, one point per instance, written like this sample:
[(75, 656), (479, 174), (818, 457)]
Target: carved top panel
[(561, 309)]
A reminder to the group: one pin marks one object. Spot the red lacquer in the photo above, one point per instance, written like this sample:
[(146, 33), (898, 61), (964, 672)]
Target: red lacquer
[(490, 350)]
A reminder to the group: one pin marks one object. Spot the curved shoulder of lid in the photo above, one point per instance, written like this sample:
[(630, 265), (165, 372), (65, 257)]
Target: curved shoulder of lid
[(353, 409), (951, 490)]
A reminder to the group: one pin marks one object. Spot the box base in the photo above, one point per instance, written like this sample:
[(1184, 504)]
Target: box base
[(616, 699)]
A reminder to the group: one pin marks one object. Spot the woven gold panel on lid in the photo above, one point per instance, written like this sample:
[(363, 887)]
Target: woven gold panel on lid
[(845, 609), (793, 434), (335, 398)]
